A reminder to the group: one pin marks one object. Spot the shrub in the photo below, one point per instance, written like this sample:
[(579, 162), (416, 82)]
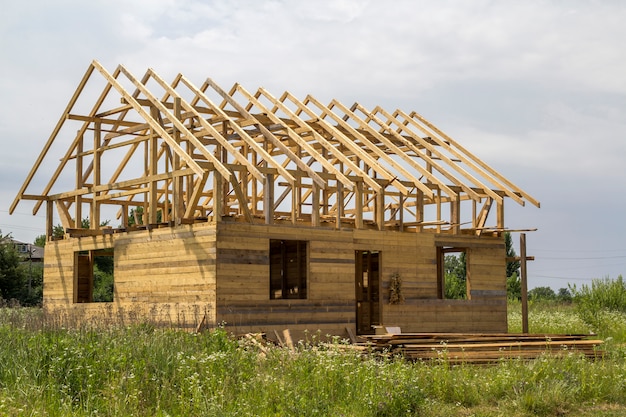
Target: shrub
[(602, 305)]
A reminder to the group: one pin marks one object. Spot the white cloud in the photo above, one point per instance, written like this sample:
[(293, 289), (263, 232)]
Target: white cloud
[(534, 88)]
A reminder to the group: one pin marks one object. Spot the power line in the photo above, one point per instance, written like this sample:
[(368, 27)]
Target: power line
[(580, 258), (24, 214), (561, 278)]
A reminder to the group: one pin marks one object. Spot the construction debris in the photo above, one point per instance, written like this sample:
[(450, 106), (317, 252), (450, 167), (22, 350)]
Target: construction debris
[(456, 348)]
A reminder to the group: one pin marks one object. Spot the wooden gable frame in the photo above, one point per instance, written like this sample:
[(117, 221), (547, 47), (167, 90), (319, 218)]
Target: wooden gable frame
[(172, 153)]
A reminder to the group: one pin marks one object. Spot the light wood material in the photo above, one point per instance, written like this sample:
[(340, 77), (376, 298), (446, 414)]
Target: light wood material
[(301, 142), (219, 173)]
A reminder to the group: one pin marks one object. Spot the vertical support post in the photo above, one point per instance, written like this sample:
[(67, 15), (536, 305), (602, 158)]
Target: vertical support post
[(325, 191), (380, 209), (474, 213), (358, 204), (455, 214), (315, 206), (419, 210), (124, 216), (78, 200), (225, 184), (340, 203), (49, 220), (178, 206), (295, 200), (500, 213), (255, 188), (218, 197), (401, 213), (152, 170), (245, 180), (94, 221), (438, 210), (524, 282), (165, 211), (268, 199)]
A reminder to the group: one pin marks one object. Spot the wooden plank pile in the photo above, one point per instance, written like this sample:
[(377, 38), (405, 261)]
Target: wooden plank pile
[(456, 348)]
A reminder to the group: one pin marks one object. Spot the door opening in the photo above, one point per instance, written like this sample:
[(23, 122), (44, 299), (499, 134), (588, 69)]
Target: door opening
[(367, 280)]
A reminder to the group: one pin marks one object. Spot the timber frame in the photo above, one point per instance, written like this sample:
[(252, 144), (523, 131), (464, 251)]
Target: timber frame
[(209, 180), (185, 153)]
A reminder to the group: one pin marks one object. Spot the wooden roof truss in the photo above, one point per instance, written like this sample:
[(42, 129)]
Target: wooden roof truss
[(184, 153)]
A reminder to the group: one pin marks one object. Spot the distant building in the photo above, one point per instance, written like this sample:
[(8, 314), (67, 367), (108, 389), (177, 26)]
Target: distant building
[(28, 250)]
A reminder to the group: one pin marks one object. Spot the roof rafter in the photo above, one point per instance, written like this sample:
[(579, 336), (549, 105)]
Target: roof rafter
[(184, 153)]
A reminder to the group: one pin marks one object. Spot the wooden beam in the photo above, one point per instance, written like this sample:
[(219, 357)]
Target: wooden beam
[(391, 146), (358, 205), (64, 215), (49, 219), (297, 140), (326, 145), (153, 123), (51, 140), (351, 144), (94, 218), (220, 137), (78, 204), (465, 155), (524, 282), (432, 150), (241, 132), (455, 216), (380, 209), (268, 199), (198, 188), (115, 186), (189, 136)]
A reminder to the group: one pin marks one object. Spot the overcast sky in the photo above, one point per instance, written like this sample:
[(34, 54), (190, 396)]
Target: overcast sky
[(537, 89)]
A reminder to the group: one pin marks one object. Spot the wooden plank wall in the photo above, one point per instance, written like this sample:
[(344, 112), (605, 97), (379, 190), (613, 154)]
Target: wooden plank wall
[(162, 275), (243, 301), (220, 273), (243, 285), (485, 311)]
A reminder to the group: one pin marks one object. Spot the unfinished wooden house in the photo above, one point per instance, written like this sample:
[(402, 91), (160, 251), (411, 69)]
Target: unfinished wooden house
[(264, 212)]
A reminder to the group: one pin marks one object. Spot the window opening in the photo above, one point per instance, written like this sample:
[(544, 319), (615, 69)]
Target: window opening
[(94, 276), (288, 269), (453, 277)]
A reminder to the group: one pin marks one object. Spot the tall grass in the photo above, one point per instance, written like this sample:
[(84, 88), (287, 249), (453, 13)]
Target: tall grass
[(142, 370), (547, 317), (602, 305)]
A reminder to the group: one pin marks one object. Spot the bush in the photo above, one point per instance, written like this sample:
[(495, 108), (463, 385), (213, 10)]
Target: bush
[(602, 305), (541, 293)]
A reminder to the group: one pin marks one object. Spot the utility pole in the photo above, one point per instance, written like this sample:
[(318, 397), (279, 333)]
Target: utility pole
[(523, 258)]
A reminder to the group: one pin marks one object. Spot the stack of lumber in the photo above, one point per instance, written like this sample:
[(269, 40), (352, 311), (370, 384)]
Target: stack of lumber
[(482, 348)]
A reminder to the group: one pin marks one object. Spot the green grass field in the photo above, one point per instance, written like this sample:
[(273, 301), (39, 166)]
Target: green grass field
[(145, 371)]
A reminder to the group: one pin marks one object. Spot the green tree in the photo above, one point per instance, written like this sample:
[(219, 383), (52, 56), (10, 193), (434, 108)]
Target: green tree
[(564, 295), (513, 281), (102, 284), (455, 277), (512, 267), (514, 287), (12, 274), (40, 241), (542, 293)]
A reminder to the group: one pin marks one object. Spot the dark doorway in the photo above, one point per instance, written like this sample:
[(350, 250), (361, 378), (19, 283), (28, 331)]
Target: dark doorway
[(367, 279)]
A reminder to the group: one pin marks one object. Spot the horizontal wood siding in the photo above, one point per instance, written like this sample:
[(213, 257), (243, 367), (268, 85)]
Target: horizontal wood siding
[(448, 316), (222, 271), (165, 275), (243, 287), (243, 284)]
